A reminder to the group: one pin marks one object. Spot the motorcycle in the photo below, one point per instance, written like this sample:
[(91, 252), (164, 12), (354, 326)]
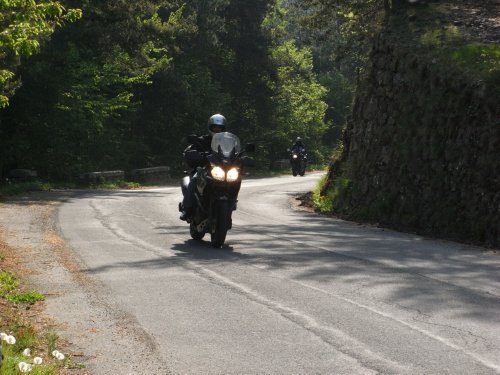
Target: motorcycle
[(298, 160), (218, 183)]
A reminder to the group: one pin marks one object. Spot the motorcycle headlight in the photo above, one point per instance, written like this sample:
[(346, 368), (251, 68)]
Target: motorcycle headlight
[(232, 175), (295, 156), (218, 173)]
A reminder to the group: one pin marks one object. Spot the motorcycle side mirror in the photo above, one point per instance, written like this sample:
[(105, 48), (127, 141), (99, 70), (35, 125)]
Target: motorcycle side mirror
[(249, 147)]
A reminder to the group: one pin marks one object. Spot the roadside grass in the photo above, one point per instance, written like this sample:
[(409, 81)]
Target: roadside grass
[(120, 184), (28, 297), (26, 345), (335, 195), (323, 203), (15, 188), (22, 354), (8, 282), (22, 187), (316, 167)]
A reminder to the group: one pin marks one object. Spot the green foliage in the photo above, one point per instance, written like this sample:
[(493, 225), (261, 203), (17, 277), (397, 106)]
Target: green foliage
[(13, 355), (23, 24), (83, 91), (339, 32), (337, 38), (455, 48), (323, 203), (51, 337), (482, 59), (21, 187), (25, 336), (336, 193), (339, 98), (122, 87), (8, 282), (298, 100), (11, 360), (440, 37), (27, 297), (118, 185)]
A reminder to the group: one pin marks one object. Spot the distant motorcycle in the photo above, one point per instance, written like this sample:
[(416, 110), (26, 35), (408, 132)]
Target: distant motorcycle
[(298, 158), (218, 185)]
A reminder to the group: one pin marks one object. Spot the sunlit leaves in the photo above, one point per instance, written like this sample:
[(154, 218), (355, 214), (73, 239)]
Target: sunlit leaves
[(22, 24), (299, 99)]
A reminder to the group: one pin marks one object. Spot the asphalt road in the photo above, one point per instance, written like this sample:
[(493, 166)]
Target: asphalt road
[(292, 292)]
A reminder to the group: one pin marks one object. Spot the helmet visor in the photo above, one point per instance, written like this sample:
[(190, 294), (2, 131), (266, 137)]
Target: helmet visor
[(217, 128)]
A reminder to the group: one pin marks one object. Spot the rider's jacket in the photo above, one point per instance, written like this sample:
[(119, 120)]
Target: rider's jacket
[(202, 144), (298, 148)]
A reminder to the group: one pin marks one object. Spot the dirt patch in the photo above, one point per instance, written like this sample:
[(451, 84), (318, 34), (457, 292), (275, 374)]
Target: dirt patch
[(480, 20), (92, 329), (304, 202), (29, 248)]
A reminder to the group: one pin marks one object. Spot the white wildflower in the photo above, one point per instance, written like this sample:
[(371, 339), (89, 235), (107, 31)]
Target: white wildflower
[(60, 356), (27, 352), (24, 367), (3, 335), (37, 360), (10, 340)]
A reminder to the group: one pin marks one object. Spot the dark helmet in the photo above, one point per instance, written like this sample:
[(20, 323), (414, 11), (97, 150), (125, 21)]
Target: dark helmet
[(216, 120)]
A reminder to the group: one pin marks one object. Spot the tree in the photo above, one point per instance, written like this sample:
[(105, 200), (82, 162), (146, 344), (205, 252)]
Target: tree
[(246, 69), (23, 24), (300, 109), (77, 108)]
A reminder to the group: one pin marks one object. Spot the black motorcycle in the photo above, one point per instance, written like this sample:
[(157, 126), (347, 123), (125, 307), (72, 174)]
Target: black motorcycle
[(217, 188), (298, 160)]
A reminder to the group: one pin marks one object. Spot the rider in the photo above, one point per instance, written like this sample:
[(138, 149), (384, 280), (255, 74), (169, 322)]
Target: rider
[(216, 124), (299, 146)]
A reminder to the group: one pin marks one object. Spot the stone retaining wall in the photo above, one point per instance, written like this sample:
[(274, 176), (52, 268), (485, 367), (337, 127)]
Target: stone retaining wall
[(422, 150)]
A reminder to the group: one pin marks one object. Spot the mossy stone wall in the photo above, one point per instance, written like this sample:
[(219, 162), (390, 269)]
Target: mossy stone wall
[(422, 149)]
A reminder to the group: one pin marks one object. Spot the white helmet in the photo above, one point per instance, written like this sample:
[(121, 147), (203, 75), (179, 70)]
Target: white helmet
[(216, 120)]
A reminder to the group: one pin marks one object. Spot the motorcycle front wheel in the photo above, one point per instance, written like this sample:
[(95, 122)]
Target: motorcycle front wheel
[(221, 225), (195, 235), (302, 170)]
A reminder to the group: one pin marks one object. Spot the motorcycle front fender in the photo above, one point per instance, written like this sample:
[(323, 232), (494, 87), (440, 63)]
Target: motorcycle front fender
[(218, 202)]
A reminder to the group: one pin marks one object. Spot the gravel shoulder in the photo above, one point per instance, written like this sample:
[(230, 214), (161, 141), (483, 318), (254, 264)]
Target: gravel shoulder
[(94, 332)]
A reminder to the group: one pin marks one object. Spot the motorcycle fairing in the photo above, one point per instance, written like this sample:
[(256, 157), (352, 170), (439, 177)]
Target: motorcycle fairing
[(226, 144)]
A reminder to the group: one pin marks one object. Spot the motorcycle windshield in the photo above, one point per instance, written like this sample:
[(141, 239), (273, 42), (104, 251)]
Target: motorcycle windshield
[(226, 142)]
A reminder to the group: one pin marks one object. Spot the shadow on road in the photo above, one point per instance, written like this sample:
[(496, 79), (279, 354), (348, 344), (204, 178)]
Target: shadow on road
[(408, 269)]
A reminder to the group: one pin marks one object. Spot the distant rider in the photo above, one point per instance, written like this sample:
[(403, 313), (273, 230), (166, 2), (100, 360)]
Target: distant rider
[(299, 147), (216, 124)]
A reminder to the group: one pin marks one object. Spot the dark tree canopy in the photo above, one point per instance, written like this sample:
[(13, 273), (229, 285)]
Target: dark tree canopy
[(123, 86)]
